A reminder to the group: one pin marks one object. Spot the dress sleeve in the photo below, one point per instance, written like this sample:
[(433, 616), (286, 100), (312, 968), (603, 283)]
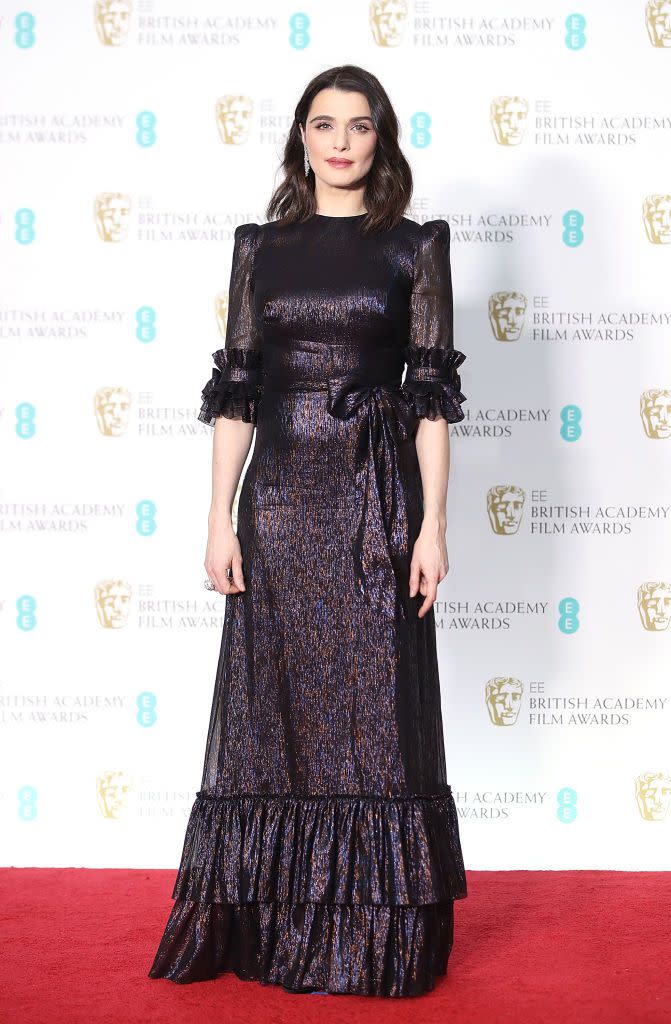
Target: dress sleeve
[(233, 390), (432, 384)]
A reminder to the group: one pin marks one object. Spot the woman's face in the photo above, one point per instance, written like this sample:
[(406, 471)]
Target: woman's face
[(340, 137)]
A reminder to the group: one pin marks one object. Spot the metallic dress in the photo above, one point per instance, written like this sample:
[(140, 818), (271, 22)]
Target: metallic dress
[(322, 852)]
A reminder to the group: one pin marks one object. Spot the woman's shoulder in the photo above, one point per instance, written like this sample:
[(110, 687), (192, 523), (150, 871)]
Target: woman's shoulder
[(422, 235), (244, 231), (425, 227), (254, 233), (431, 239), (429, 230), (246, 240)]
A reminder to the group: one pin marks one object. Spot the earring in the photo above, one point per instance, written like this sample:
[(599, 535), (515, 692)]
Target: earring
[(306, 162)]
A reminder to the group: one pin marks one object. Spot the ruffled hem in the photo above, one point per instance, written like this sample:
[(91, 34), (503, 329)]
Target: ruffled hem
[(324, 849), (234, 388), (383, 951), (432, 384)]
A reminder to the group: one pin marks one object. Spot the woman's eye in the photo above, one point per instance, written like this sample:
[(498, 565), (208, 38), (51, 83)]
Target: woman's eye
[(326, 124)]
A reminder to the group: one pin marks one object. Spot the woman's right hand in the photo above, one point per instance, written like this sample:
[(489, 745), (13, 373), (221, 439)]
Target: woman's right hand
[(223, 551)]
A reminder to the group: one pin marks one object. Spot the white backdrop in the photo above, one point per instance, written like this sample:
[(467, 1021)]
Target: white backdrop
[(135, 137)]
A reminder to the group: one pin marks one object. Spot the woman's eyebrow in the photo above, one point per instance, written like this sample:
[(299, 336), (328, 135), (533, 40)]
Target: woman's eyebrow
[(327, 117)]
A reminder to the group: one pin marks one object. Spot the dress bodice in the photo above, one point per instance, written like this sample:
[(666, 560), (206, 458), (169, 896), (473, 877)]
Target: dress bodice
[(324, 281), (318, 300)]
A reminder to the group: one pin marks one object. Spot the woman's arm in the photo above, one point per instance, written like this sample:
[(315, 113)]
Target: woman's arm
[(429, 564), (230, 404), (230, 447)]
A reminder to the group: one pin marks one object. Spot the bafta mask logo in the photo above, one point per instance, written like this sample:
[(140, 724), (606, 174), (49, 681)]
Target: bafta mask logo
[(234, 118), (654, 605), (508, 116), (112, 409), (653, 794), (506, 315), (112, 215), (111, 791), (221, 310), (503, 697), (505, 503), (112, 598), (657, 218), (658, 22), (112, 18), (656, 413), (387, 21)]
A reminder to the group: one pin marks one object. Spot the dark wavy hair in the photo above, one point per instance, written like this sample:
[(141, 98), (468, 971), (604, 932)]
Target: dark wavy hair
[(389, 181)]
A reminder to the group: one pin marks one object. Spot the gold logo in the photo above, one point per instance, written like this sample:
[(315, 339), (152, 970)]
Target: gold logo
[(387, 20), (658, 22), (112, 408), (503, 697), (234, 118), (505, 503), (506, 315), (653, 794), (654, 605), (508, 115), (112, 19), (657, 218), (111, 790), (656, 413), (112, 599), (112, 215)]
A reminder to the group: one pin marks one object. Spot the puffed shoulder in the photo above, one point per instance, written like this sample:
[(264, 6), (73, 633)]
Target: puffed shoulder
[(245, 230), (246, 241), (434, 232)]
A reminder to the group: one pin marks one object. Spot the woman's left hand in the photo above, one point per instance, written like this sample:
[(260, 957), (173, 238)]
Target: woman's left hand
[(429, 564)]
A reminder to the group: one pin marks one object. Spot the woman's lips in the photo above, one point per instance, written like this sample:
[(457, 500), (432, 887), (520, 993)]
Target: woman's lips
[(334, 162)]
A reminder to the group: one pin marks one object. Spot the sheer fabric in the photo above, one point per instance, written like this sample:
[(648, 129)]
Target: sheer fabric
[(233, 389), (432, 384)]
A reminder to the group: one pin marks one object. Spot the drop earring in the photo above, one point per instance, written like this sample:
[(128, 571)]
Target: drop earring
[(306, 162)]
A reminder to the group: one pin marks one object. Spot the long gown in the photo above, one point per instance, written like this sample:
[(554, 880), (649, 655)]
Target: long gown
[(322, 852)]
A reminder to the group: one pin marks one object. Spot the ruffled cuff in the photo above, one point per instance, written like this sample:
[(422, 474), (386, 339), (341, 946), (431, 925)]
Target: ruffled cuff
[(432, 384), (234, 388)]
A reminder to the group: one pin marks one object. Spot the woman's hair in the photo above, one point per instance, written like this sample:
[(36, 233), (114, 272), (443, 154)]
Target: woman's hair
[(389, 180)]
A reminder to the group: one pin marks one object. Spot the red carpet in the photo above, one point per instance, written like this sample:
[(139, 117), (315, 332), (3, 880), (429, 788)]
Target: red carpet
[(530, 946)]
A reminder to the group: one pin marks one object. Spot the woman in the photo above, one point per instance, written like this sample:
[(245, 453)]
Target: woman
[(322, 852)]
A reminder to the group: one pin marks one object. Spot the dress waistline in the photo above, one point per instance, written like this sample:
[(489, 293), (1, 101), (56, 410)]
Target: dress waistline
[(309, 367)]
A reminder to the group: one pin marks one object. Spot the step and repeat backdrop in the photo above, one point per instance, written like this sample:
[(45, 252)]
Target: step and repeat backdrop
[(135, 137)]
